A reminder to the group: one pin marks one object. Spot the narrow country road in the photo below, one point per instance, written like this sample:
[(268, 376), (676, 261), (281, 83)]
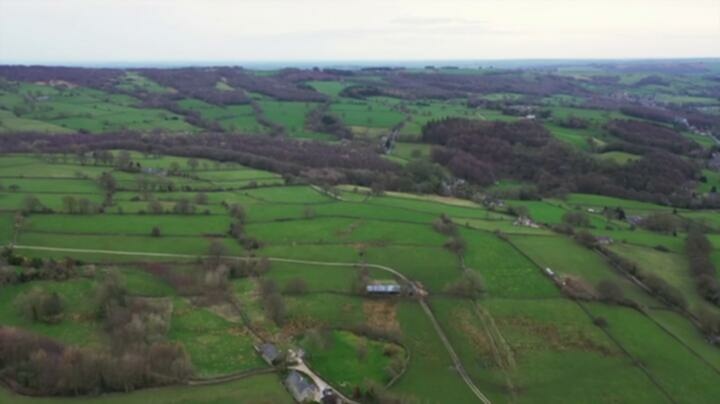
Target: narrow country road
[(438, 329)]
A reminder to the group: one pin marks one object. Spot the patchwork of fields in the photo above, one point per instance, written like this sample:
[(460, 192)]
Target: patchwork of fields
[(520, 340)]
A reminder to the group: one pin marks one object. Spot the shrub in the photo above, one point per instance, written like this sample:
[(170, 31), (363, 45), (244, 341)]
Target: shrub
[(40, 305), (576, 218), (469, 285), (610, 291)]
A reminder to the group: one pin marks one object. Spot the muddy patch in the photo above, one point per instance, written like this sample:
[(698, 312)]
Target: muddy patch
[(381, 315), (552, 337), (480, 341)]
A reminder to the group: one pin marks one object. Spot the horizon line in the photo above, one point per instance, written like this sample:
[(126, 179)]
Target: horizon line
[(326, 62)]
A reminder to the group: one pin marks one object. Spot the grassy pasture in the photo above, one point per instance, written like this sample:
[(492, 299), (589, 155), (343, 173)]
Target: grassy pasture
[(579, 138), (410, 151), (506, 272), (220, 176), (142, 244), (435, 207), (216, 345), (77, 326), (553, 341), (328, 253), (7, 225), (292, 116), (686, 378), (331, 88), (618, 157), (133, 81), (293, 194), (681, 328), (599, 201), (318, 278), (11, 123), (420, 113), (325, 309), (141, 283), (505, 226), (83, 109), (342, 365), (672, 267), (55, 185), (433, 266), (261, 389), (430, 375), (170, 225), (237, 118), (371, 211), (645, 238), (35, 168), (371, 114), (566, 257)]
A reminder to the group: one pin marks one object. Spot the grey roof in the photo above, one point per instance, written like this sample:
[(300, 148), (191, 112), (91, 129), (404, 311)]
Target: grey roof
[(383, 288), (299, 383), (269, 351)]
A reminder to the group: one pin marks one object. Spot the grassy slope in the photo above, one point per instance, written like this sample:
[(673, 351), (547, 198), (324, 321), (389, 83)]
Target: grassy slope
[(263, 389)]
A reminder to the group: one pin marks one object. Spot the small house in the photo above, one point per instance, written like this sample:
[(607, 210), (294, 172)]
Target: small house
[(604, 240), (301, 387), (270, 353), (383, 287)]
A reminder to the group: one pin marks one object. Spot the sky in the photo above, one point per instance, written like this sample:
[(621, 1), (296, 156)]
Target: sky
[(107, 31)]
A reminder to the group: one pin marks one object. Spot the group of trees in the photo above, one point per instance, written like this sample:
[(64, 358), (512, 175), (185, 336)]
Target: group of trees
[(40, 305), (445, 86), (39, 365), (354, 163), (138, 354), (645, 137), (237, 227), (699, 249), (272, 302), (322, 120), (15, 269), (483, 152), (455, 243), (82, 206)]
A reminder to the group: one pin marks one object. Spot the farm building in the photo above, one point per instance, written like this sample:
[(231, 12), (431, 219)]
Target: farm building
[(302, 388), (383, 287), (269, 352)]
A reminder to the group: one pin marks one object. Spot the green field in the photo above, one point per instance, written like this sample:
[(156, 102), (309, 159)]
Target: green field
[(263, 389), (521, 340)]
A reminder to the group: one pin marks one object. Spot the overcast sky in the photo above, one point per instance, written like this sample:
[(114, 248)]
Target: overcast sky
[(72, 31)]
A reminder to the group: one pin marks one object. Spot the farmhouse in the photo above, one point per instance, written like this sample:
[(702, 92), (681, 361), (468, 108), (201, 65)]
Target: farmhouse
[(525, 221), (383, 287), (269, 352), (301, 387)]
